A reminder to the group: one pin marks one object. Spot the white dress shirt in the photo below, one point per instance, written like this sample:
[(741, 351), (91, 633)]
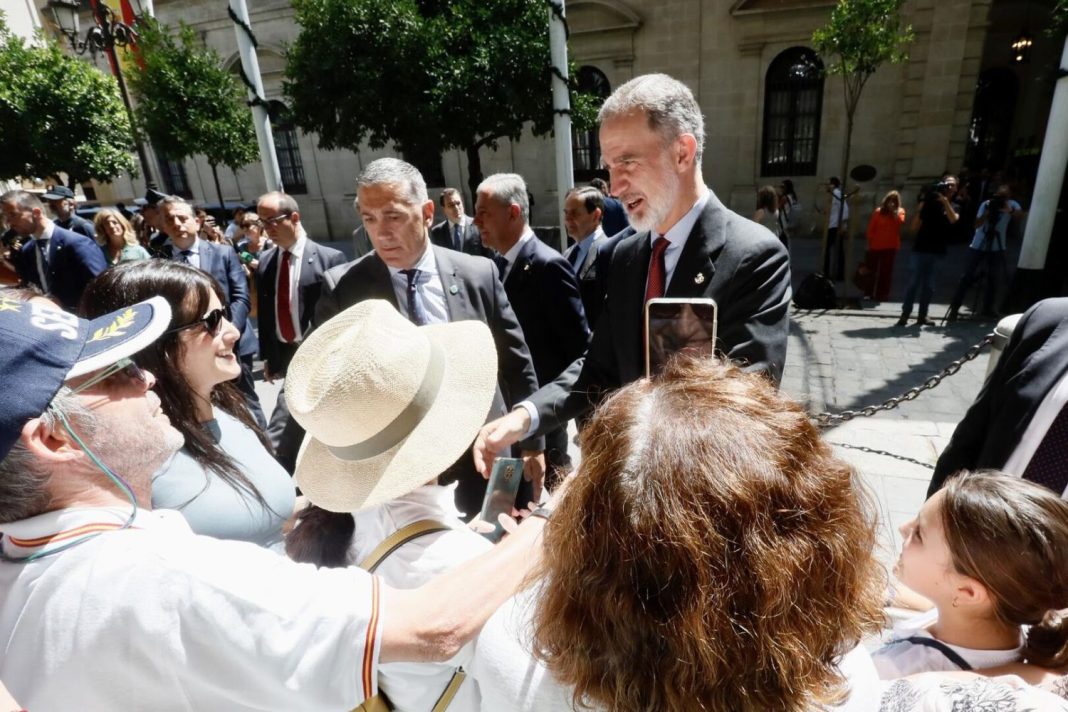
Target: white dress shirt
[(513, 252), (429, 289)]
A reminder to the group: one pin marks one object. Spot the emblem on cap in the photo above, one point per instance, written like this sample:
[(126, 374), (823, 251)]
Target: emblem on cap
[(8, 305), (699, 279), (116, 328)]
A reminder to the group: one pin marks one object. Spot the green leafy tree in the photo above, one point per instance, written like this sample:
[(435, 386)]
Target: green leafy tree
[(188, 104), (861, 36), (59, 114), (429, 75)]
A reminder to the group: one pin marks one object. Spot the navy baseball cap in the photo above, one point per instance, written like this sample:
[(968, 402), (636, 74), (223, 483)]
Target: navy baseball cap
[(41, 347), (58, 192)]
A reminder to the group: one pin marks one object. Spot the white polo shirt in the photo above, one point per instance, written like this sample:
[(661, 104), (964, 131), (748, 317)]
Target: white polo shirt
[(158, 618)]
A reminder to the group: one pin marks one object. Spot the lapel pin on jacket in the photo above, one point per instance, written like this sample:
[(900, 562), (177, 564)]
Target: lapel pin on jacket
[(700, 278), (453, 289)]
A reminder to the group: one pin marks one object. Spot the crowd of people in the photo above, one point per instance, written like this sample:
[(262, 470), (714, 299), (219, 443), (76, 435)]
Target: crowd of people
[(164, 545)]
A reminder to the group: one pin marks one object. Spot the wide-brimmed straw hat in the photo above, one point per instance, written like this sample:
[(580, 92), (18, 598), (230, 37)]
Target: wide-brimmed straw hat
[(387, 405)]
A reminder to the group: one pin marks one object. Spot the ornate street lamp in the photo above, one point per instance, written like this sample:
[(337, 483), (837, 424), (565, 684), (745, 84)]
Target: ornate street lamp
[(107, 33)]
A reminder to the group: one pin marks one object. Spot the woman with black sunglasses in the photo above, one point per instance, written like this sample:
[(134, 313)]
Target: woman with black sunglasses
[(224, 480)]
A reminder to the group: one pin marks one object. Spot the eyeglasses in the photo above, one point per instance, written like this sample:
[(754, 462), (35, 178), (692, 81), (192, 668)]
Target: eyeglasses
[(275, 220), (125, 366), (212, 322)]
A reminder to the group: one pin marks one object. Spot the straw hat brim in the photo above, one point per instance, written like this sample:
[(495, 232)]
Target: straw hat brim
[(441, 437)]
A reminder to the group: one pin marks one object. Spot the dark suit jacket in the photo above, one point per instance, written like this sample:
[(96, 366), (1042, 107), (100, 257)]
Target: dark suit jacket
[(728, 258), (479, 295), (78, 224), (1034, 360), (615, 217), (317, 259), (73, 260), (222, 263), (441, 236), (544, 293), (591, 283)]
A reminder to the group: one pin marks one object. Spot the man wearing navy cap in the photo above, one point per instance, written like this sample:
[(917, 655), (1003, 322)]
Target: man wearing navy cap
[(61, 200), (106, 604), (56, 260)]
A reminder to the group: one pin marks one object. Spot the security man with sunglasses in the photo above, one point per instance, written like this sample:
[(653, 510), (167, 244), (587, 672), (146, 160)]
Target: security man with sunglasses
[(222, 263)]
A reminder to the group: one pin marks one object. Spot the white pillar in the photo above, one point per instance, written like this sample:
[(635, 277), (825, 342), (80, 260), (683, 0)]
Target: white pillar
[(251, 66), (561, 121), (1050, 176)]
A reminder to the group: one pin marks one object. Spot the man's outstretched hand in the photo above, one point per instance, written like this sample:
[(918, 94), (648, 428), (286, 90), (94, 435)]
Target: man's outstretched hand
[(496, 435)]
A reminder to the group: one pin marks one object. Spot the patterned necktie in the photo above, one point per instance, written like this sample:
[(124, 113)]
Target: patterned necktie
[(186, 256), (654, 288), (1049, 466), (457, 238), (416, 313), (282, 308)]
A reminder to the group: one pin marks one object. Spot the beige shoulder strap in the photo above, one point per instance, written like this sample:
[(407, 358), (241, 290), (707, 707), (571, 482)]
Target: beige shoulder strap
[(398, 539), (394, 541)]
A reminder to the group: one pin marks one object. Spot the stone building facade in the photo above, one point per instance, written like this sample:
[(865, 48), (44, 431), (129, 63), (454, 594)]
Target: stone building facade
[(749, 62)]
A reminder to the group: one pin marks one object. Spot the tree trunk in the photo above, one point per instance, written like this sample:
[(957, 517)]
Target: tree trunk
[(842, 233), (474, 171), (218, 188)]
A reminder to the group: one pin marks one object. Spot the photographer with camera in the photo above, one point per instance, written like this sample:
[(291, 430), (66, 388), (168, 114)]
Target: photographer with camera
[(933, 224), (988, 245)]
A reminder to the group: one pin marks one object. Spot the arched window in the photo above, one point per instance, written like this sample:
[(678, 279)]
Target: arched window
[(991, 125), (285, 147), (793, 100), (586, 145)]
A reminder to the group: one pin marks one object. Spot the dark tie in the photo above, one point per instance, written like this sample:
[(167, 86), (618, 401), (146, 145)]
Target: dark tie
[(1049, 464), (574, 258), (457, 238), (416, 313), (502, 265), (42, 245), (285, 317), (186, 256), (654, 288)]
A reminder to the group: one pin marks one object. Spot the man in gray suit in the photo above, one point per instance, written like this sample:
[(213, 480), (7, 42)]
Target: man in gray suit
[(583, 209), (686, 244), (430, 285)]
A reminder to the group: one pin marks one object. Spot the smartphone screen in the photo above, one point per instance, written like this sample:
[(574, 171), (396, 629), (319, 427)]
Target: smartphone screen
[(674, 325), (500, 493)]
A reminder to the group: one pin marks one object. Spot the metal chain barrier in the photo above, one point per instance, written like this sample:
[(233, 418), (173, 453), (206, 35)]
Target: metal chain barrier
[(828, 419)]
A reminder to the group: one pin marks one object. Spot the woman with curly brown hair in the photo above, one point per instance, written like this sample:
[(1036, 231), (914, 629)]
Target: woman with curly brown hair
[(710, 554)]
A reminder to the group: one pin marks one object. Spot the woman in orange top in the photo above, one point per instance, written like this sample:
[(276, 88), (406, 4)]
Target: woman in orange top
[(884, 240)]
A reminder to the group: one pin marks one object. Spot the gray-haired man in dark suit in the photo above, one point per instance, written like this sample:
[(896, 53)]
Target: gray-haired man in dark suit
[(686, 244)]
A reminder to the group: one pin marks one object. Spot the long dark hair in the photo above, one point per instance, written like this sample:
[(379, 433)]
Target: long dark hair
[(188, 291)]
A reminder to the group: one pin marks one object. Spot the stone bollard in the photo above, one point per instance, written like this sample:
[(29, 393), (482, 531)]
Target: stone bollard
[(1002, 334)]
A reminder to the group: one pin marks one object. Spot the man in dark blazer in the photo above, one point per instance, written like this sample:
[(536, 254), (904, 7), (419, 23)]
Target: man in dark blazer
[(457, 231), (61, 202), (1016, 411), (57, 261), (542, 289), (222, 263), (687, 244), (583, 208), (281, 332), (430, 284)]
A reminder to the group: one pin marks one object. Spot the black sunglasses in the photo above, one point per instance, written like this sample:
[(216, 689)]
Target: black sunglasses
[(212, 322)]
